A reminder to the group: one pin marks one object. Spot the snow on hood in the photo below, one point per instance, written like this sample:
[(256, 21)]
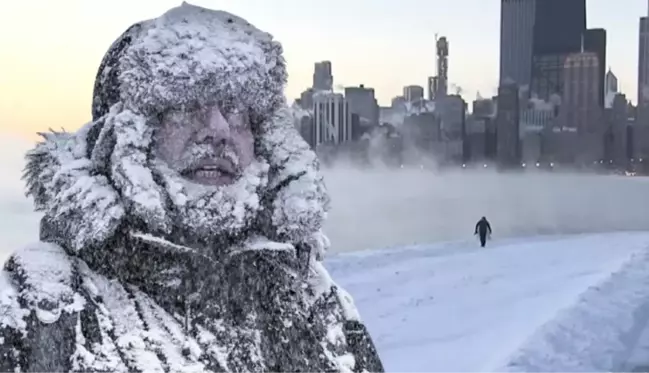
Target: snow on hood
[(191, 55), (92, 183)]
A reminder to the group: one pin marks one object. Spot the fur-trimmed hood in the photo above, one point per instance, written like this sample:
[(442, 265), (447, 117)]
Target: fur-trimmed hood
[(92, 183)]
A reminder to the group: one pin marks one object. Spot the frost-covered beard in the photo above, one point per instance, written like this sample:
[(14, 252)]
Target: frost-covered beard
[(209, 212)]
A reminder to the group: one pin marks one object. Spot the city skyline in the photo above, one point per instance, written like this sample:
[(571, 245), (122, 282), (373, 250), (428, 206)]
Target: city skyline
[(47, 81)]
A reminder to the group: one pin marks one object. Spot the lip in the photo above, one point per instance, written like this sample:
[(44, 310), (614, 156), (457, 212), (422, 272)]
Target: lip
[(211, 170)]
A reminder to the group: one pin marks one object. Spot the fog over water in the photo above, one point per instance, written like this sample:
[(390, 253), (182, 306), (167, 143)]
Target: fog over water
[(382, 207), (385, 207)]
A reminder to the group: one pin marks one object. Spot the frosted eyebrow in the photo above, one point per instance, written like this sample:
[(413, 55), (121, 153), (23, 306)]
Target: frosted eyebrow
[(182, 113)]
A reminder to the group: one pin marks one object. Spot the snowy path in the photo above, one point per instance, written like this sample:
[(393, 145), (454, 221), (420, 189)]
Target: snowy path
[(452, 307)]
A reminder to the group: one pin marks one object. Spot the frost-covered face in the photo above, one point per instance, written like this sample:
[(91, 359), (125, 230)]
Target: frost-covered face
[(208, 146)]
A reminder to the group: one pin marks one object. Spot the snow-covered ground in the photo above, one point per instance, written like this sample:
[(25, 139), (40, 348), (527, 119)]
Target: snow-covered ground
[(571, 303)]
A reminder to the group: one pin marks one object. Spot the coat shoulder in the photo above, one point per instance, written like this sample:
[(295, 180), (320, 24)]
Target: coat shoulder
[(40, 300), (45, 280)]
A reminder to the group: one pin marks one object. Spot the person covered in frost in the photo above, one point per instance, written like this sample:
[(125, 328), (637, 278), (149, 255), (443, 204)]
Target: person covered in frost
[(181, 227), (483, 229)]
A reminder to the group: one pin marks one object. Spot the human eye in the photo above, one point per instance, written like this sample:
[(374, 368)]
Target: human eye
[(177, 118), (238, 118), (173, 117)]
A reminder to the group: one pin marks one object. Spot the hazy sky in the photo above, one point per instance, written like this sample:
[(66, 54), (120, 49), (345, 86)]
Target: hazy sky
[(50, 49)]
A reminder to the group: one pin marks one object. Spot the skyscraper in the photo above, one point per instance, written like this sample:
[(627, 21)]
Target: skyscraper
[(332, 118), (432, 87), (617, 140), (362, 101), (595, 41), (581, 108), (643, 72), (413, 93), (442, 67), (640, 147), (581, 91), (559, 26), (611, 84), (516, 38), (323, 79), (508, 125)]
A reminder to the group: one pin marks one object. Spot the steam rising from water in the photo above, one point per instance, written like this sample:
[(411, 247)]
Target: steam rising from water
[(386, 207), (383, 207), (18, 222)]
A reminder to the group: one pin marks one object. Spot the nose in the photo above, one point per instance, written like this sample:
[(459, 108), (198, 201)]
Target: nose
[(215, 129)]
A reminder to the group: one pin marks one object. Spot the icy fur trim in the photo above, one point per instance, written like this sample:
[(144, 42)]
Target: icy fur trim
[(65, 186), (131, 170), (302, 193), (87, 208), (172, 63)]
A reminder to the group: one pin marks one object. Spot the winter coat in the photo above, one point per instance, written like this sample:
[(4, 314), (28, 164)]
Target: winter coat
[(109, 288), (483, 227), (59, 315)]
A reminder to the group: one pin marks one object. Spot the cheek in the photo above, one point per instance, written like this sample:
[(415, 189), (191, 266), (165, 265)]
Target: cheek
[(170, 144), (246, 147)]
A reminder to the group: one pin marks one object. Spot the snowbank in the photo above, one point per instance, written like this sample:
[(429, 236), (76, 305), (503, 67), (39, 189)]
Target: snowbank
[(599, 333)]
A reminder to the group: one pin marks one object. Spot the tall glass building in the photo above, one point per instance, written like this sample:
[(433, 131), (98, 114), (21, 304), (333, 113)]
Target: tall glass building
[(559, 26)]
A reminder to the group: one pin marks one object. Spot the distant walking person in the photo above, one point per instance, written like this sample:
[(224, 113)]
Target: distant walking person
[(483, 228)]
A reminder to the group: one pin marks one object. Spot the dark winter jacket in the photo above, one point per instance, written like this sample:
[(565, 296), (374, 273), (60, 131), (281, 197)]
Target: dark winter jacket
[(483, 227), (111, 287)]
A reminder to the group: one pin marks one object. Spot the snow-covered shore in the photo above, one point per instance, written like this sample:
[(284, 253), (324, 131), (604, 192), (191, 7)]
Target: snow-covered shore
[(563, 303)]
